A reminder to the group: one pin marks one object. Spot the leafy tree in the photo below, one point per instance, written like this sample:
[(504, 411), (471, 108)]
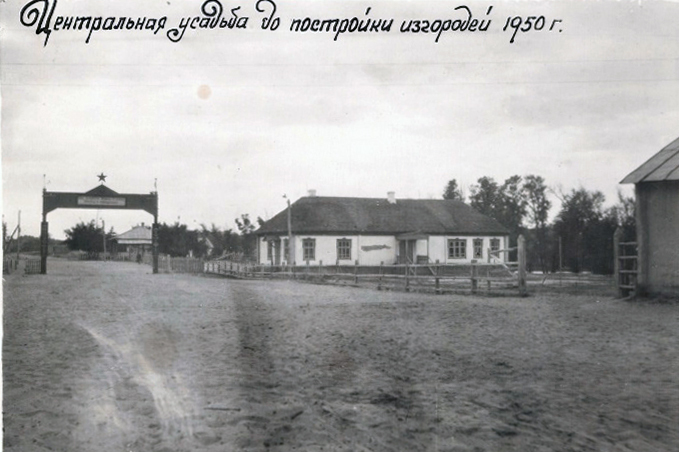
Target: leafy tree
[(248, 239), (485, 197), (87, 237), (245, 226), (537, 213), (537, 204), (624, 213), (5, 239), (511, 209), (511, 206), (29, 244), (223, 242), (582, 229), (506, 203), (177, 240), (453, 191)]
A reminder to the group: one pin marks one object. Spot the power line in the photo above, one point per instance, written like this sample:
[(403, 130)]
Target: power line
[(342, 64), (357, 85)]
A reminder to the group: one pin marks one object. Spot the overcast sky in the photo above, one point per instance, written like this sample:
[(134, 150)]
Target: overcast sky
[(230, 120)]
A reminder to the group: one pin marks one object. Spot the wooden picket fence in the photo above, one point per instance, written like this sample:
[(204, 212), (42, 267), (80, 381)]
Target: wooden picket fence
[(9, 264), (232, 269), (169, 264), (437, 278), (32, 267)]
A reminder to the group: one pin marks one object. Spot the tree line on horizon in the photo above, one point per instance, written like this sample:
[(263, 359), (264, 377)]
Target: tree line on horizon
[(175, 240), (579, 238)]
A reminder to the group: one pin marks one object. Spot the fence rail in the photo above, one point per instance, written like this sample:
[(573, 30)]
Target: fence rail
[(438, 278), (429, 276)]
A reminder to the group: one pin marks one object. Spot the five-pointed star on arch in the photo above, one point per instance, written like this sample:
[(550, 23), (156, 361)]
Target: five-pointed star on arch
[(102, 177)]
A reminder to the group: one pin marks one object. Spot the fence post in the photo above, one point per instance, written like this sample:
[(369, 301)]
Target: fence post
[(616, 260), (407, 277), (473, 278), (437, 285), (379, 281), (488, 280), (356, 272), (522, 265), (320, 268), (337, 267), (294, 264), (307, 270)]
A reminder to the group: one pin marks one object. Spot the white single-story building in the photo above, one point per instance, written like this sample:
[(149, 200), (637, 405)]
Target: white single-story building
[(371, 231), (134, 243)]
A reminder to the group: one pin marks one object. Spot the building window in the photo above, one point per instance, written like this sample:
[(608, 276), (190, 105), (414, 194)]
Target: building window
[(286, 249), (343, 249), (457, 248), (478, 248), (309, 249), (495, 245)]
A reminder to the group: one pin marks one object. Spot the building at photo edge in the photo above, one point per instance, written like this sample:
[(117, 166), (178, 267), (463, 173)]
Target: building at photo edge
[(339, 230), (656, 188)]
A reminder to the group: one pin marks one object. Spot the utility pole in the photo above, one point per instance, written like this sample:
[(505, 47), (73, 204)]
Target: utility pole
[(103, 228), (19, 236), (291, 252)]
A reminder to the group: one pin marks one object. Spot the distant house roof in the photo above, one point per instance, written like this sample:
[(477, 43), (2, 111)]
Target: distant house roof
[(138, 235), (319, 214), (662, 166)]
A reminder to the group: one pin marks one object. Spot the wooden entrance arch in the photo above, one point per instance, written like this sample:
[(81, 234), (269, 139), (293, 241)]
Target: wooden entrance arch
[(100, 197)]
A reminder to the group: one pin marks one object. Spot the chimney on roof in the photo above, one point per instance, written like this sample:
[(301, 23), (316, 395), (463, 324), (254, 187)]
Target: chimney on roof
[(312, 193), (391, 197)]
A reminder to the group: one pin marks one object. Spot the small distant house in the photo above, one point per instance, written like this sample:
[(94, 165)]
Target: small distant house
[(375, 230), (134, 243), (656, 188)]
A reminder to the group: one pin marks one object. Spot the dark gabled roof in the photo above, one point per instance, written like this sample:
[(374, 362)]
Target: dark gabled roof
[(102, 190), (320, 214), (662, 166)]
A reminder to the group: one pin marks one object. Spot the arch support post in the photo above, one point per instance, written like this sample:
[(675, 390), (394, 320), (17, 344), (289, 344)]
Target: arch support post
[(44, 244), (154, 243)]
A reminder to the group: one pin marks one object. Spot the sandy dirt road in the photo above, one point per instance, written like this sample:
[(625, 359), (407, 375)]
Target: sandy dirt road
[(108, 357)]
